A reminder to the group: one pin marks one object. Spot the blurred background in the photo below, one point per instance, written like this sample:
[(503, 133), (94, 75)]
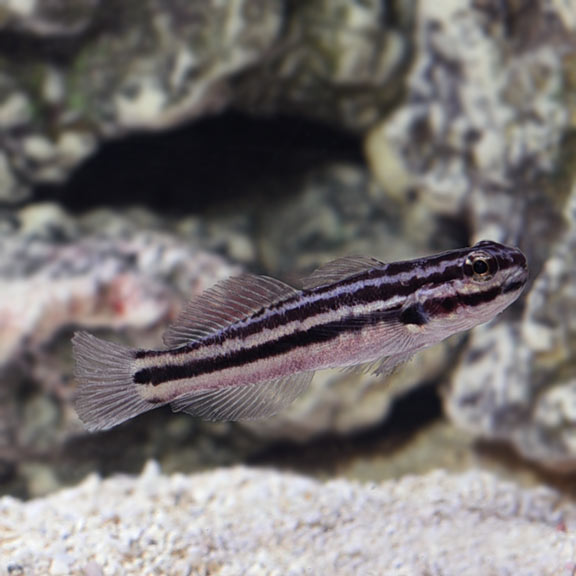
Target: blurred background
[(149, 149)]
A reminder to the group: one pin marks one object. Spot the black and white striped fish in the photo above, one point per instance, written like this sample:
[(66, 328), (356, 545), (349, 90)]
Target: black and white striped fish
[(247, 347)]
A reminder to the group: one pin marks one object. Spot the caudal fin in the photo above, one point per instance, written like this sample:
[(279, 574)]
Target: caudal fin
[(106, 394)]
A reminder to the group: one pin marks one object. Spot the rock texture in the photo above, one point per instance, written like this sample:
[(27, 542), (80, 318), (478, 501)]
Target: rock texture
[(75, 74), (341, 210), (49, 282), (59, 273), (241, 521), (130, 271), (517, 381), (338, 60), (485, 111), (467, 113), (478, 131), (92, 70)]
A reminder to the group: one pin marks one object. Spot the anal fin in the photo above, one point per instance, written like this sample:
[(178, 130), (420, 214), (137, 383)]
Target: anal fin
[(382, 366), (244, 402)]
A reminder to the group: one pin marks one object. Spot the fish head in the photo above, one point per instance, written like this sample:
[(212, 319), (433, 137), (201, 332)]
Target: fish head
[(493, 277), (483, 281)]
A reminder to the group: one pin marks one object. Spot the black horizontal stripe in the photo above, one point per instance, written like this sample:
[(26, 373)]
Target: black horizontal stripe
[(366, 295), (512, 286), (361, 296), (435, 270), (477, 298), (423, 275), (317, 335), (447, 304)]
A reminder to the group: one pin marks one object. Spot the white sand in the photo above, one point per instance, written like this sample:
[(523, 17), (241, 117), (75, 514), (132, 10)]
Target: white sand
[(253, 522)]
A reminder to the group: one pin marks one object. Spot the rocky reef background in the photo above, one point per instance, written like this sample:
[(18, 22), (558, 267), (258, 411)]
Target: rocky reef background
[(149, 149)]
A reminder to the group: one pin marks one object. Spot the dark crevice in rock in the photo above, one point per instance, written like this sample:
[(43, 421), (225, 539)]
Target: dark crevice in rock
[(410, 414), (203, 164), (20, 47)]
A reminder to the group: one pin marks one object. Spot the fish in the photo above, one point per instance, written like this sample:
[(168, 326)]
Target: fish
[(248, 347)]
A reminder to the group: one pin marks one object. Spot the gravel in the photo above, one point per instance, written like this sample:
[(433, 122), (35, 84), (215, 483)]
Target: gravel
[(242, 521)]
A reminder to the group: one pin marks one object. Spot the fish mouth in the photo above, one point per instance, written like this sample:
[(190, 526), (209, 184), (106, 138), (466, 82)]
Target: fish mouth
[(516, 280)]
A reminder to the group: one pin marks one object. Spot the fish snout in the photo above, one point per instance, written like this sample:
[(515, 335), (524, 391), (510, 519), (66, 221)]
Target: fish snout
[(517, 275)]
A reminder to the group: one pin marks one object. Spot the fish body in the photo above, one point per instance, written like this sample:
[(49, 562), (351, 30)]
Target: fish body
[(247, 347)]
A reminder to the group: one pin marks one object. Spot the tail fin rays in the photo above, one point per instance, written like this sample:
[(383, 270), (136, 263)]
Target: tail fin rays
[(106, 394)]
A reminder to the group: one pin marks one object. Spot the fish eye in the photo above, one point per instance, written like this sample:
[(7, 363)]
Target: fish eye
[(480, 266)]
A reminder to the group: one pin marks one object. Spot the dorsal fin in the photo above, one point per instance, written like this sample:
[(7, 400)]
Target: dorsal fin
[(223, 304), (340, 269)]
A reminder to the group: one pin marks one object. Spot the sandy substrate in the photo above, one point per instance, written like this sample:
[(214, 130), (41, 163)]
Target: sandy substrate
[(242, 521)]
